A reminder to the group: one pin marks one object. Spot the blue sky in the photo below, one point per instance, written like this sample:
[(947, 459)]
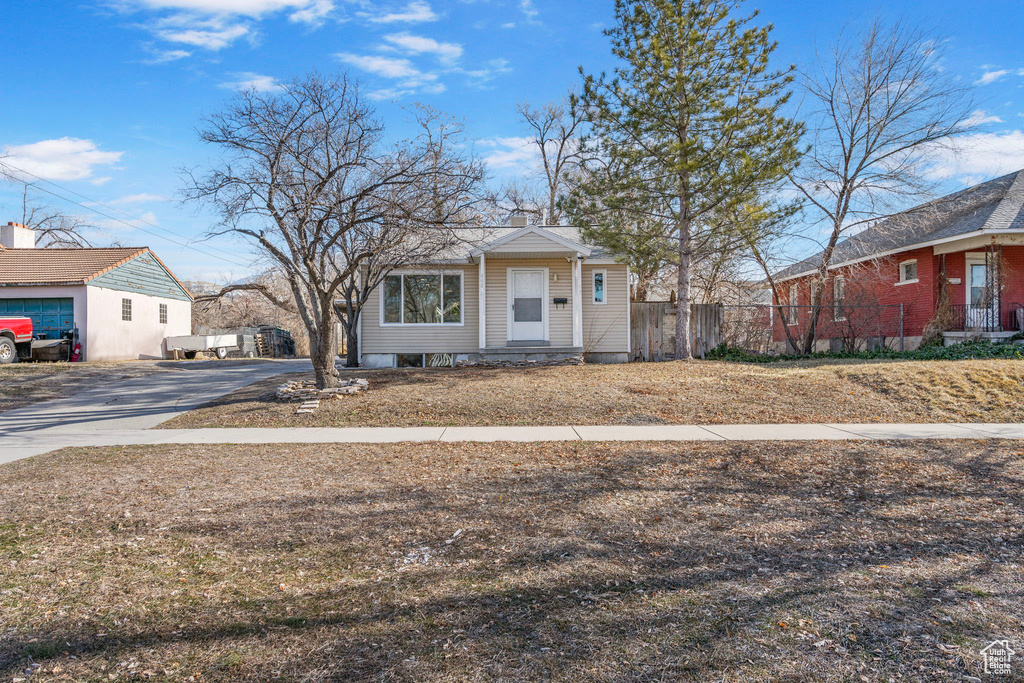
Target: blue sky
[(103, 97)]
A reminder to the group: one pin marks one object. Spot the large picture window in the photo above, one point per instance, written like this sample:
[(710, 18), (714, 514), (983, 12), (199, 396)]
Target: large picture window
[(423, 299)]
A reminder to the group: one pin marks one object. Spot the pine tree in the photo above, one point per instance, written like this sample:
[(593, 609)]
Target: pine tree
[(695, 114)]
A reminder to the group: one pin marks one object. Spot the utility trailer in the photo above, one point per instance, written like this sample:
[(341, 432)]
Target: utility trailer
[(190, 345)]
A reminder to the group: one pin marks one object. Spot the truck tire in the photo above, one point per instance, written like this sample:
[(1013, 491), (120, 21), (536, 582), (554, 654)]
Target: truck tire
[(8, 352), (190, 355), (222, 352)]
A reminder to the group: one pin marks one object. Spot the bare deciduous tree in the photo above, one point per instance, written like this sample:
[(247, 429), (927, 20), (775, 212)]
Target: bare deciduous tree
[(554, 133), (307, 177), (878, 107), (54, 228)]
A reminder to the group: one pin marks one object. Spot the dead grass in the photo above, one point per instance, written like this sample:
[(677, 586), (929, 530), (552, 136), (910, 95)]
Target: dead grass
[(23, 384), (566, 562), (650, 393)]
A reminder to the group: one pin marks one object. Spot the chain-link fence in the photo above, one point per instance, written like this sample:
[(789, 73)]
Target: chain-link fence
[(837, 329)]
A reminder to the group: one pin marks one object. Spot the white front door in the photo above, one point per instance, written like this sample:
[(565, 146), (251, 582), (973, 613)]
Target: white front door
[(981, 305), (527, 301)]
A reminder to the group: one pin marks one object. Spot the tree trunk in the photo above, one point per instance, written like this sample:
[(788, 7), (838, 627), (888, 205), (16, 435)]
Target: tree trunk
[(352, 339), (684, 345), (322, 349)]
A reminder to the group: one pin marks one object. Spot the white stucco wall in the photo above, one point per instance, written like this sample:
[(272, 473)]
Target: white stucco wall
[(107, 337)]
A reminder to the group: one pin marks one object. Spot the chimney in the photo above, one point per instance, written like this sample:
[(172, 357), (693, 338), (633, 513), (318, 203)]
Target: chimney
[(17, 236), (518, 221)]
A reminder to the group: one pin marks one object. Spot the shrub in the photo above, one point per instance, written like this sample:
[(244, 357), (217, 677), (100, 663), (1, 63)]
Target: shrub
[(965, 350)]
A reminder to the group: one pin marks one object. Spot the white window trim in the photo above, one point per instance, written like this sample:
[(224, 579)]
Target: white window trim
[(131, 310), (544, 309), (837, 279), (794, 309), (462, 298), (901, 280), (593, 286)]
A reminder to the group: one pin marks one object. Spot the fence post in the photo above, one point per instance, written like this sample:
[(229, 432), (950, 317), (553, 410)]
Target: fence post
[(901, 328)]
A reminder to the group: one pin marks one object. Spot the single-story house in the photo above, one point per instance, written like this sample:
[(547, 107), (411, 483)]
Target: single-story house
[(121, 301), (519, 292), (956, 262)]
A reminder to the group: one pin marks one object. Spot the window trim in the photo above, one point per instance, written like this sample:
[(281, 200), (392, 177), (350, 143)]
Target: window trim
[(130, 310), (835, 306), (901, 280), (794, 308), (163, 314), (593, 286), (441, 273)]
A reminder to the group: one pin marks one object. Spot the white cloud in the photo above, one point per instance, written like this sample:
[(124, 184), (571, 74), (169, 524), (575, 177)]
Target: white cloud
[(979, 118), (141, 198), (978, 155), (509, 24), (61, 159), (991, 76), (164, 56), (446, 53), (515, 153), (491, 69), (247, 80), (409, 78), (529, 11), (216, 24), (414, 12)]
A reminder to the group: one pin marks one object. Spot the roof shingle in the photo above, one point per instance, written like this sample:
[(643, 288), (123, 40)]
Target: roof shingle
[(61, 266)]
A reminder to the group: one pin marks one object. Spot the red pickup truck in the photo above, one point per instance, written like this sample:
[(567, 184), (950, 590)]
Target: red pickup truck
[(15, 339)]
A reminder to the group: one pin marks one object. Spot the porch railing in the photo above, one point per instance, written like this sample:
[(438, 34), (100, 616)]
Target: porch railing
[(966, 317)]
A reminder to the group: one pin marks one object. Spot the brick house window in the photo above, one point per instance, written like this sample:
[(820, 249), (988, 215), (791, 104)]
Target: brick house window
[(126, 310), (794, 299), (839, 298), (908, 271), (163, 314)]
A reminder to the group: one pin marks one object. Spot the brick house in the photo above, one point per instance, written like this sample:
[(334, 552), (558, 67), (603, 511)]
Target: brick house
[(954, 265)]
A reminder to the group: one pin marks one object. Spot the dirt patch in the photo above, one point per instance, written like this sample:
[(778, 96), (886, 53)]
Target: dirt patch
[(650, 393), (566, 562)]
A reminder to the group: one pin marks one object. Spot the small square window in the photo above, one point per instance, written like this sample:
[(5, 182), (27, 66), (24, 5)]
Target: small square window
[(163, 314), (126, 310), (908, 271)]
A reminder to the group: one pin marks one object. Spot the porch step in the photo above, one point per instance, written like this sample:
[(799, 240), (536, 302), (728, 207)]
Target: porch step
[(537, 342), (530, 349)]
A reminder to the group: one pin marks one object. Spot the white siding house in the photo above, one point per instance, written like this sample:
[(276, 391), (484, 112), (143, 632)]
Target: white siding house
[(524, 292)]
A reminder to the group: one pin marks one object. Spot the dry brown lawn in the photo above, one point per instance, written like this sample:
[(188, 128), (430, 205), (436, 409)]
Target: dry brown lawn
[(565, 562), (650, 393)]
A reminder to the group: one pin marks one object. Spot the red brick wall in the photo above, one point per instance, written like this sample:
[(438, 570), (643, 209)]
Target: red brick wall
[(875, 283)]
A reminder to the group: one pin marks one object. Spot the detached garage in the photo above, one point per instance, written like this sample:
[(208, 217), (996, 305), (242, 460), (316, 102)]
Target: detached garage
[(119, 302)]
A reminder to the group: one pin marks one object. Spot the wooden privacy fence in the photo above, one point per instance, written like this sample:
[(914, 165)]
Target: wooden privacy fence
[(652, 329)]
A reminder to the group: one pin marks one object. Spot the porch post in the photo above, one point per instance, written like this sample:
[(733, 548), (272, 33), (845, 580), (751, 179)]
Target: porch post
[(577, 301), (482, 300)]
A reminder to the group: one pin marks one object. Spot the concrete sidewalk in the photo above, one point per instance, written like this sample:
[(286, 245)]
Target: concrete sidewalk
[(14, 446)]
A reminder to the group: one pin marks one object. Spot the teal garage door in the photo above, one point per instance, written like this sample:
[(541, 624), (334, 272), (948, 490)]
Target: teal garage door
[(50, 317)]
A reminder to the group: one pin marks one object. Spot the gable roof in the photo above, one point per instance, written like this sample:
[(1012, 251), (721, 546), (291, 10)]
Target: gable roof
[(565, 236), (30, 267), (996, 204)]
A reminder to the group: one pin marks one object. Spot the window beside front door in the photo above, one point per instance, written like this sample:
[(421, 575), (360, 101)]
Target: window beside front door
[(600, 280), (422, 299)]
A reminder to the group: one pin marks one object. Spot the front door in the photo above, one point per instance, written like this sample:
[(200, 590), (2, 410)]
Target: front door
[(527, 304), (982, 311)]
